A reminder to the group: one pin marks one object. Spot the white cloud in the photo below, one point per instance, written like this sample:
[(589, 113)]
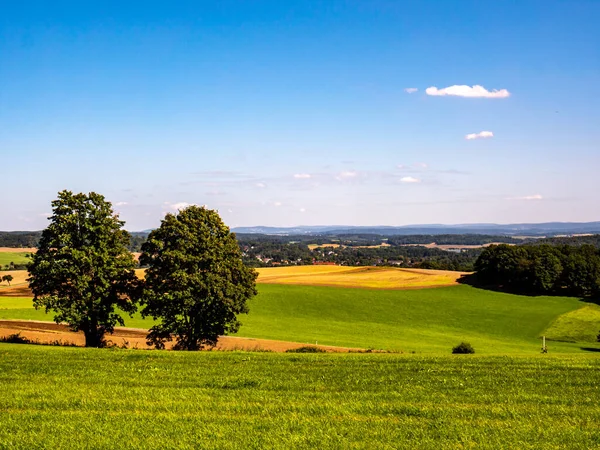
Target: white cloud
[(277, 204), (527, 197), (480, 135), (421, 165), (410, 180), (121, 204), (302, 210), (476, 91), (261, 185), (180, 205), (302, 176), (410, 90), (346, 175)]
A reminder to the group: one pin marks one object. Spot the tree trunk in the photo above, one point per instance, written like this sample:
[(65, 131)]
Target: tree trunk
[(94, 337)]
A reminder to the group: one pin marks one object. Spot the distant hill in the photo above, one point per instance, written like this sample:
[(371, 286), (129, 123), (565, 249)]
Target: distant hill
[(520, 229)]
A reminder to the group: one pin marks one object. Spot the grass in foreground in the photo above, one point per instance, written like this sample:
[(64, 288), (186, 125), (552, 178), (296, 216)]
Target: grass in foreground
[(64, 398)]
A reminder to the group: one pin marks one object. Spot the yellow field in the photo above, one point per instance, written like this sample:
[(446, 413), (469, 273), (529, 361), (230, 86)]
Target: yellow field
[(361, 277), (341, 276), (312, 247), (17, 250)]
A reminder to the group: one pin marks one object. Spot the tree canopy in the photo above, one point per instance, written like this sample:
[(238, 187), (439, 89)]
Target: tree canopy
[(541, 269), (82, 270), (196, 283)]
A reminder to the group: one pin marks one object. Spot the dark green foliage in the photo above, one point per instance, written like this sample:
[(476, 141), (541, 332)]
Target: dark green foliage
[(7, 278), (541, 269), (464, 348), (306, 349), (20, 239), (196, 283), (82, 270)]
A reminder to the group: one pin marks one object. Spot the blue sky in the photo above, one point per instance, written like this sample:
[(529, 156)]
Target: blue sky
[(297, 112)]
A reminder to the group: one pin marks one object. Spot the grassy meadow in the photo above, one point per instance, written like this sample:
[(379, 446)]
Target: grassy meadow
[(422, 321), (71, 397), (15, 257), (507, 395)]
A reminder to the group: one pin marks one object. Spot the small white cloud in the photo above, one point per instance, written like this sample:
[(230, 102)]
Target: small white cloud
[(45, 214), (527, 197), (229, 210), (410, 90), (261, 185), (302, 176), (347, 174), (480, 135), (476, 91), (121, 204), (410, 180), (302, 210), (421, 165), (277, 204), (180, 205)]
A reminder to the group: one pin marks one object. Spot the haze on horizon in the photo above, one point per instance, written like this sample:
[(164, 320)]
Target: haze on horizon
[(303, 113)]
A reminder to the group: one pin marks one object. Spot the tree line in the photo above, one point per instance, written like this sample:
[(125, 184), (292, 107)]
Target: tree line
[(195, 283), (541, 269)]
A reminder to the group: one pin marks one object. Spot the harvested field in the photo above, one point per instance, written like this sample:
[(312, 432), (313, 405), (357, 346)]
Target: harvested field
[(453, 247), (18, 286), (50, 332), (18, 250), (312, 247), (358, 277)]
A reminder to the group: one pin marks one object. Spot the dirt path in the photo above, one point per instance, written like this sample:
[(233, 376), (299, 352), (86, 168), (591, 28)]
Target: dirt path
[(47, 332)]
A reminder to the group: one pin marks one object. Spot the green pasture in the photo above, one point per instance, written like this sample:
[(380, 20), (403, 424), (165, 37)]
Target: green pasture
[(16, 257), (55, 397), (422, 321)]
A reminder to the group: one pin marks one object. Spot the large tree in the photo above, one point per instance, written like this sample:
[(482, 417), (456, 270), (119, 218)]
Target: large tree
[(82, 270), (196, 283)]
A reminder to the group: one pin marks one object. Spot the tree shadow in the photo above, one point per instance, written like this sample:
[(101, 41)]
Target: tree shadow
[(471, 280), (590, 349)]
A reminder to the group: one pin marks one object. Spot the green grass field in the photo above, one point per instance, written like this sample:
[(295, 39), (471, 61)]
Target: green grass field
[(56, 398), (16, 257), (423, 321)]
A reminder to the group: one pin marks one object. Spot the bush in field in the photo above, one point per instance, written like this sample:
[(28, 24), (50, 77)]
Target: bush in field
[(463, 348), (15, 338), (305, 349)]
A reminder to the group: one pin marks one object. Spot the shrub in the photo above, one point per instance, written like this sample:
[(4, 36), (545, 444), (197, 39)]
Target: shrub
[(305, 349), (15, 338), (463, 348)]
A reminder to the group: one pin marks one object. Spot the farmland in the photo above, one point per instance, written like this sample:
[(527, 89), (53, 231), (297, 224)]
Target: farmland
[(402, 320), (54, 397), (507, 395)]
